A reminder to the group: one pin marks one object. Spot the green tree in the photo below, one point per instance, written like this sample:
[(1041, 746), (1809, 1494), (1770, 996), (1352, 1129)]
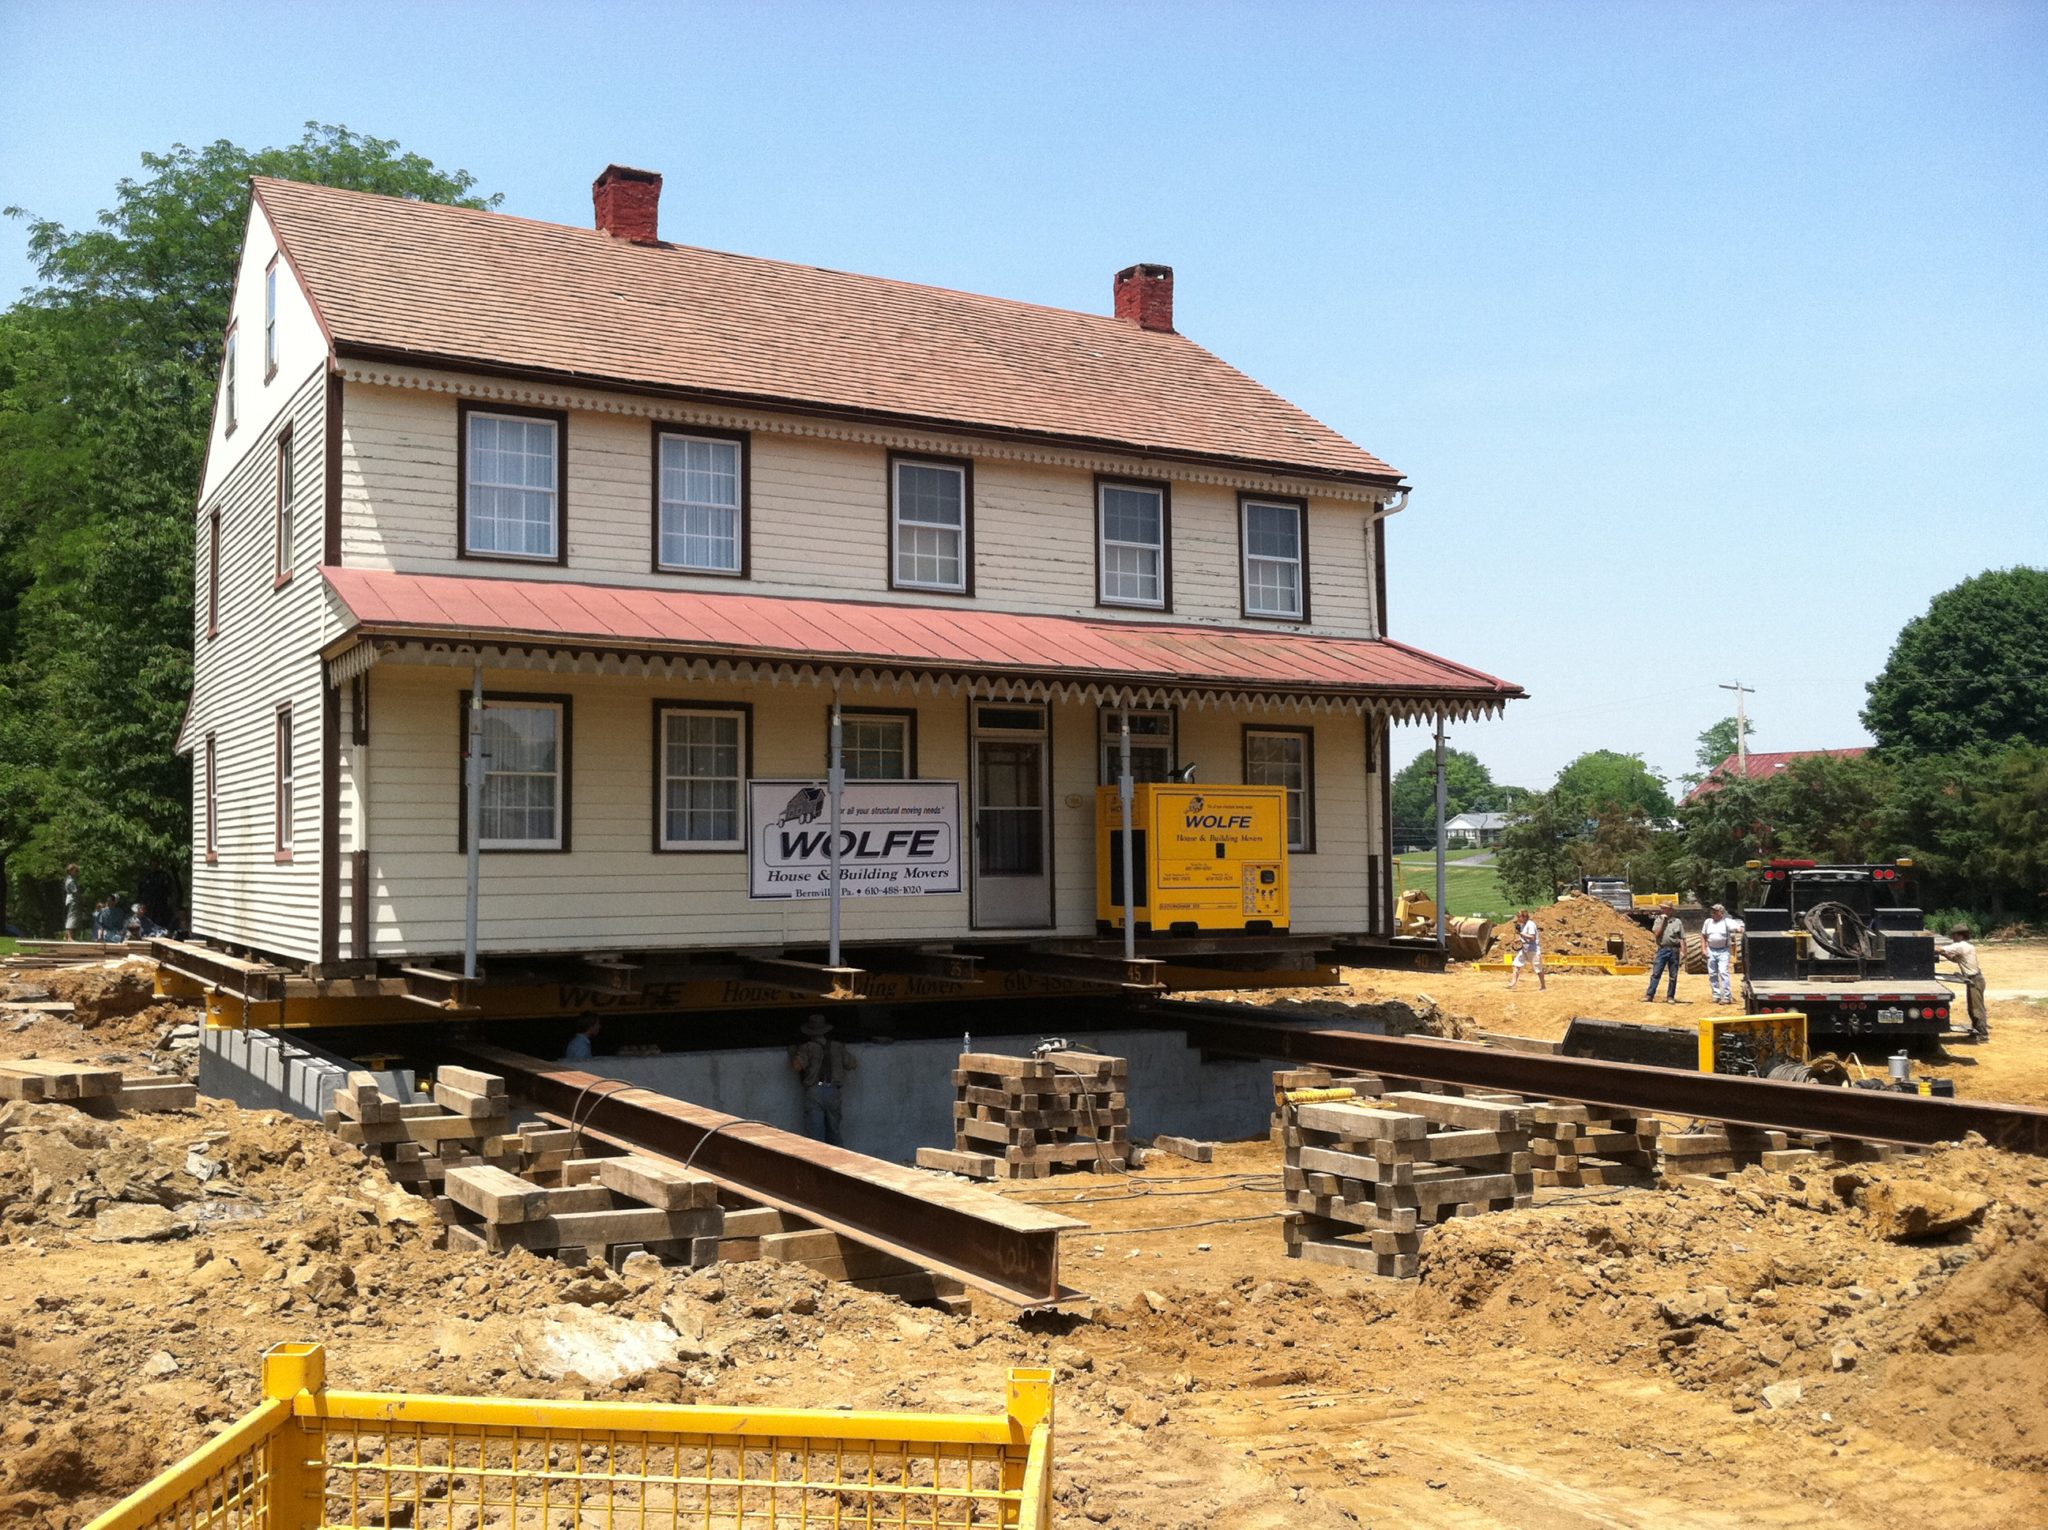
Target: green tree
[(1718, 743), (1972, 671), (1469, 787), (1535, 861), (2016, 812), (107, 379), (1602, 779)]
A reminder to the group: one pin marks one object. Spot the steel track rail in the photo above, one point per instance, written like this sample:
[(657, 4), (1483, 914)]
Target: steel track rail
[(1002, 1247), (1871, 1115)]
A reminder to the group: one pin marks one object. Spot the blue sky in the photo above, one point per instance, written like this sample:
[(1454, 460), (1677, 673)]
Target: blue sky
[(1713, 337)]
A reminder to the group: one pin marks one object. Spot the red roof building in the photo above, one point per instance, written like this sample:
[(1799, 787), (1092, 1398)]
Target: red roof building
[(1762, 765), (571, 544)]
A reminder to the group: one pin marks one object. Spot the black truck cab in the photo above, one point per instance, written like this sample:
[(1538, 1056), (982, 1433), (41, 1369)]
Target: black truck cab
[(1845, 946)]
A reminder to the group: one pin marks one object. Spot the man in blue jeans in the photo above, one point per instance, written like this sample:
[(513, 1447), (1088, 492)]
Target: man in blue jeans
[(1670, 933), (821, 1065)]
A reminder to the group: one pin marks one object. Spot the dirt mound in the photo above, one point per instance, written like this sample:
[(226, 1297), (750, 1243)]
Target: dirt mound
[(1575, 926), (1421, 1016), (103, 992)]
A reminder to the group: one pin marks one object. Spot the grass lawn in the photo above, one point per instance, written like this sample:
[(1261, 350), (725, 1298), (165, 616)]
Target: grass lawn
[(1470, 890), (8, 945)]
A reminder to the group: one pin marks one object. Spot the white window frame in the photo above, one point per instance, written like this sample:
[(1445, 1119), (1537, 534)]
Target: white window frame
[(281, 765), (1303, 739), (903, 722), (270, 319), (1112, 739), (471, 483), (739, 720), (663, 505), (1299, 562), (212, 789), (287, 560), (560, 774), (962, 532), (229, 405), (1104, 541)]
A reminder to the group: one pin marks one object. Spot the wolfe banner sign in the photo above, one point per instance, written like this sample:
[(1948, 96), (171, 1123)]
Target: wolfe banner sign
[(895, 838)]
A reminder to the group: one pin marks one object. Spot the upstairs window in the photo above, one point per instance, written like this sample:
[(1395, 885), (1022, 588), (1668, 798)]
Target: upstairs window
[(213, 574), (512, 484), (282, 792), (1152, 752), (228, 410), (525, 772), (931, 509), (1275, 546), (700, 503), (1286, 757), (703, 770), (1131, 551), (284, 506), (270, 320), (876, 746)]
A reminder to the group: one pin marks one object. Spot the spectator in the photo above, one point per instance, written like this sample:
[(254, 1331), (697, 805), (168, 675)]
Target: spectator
[(582, 1045), (1670, 933), (1963, 952), (141, 926), (822, 1065), (74, 904), (159, 890), (109, 921), (1718, 936), (1528, 949)]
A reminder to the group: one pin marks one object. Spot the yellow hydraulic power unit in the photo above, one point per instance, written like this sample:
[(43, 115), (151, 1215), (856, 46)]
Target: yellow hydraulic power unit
[(1206, 859)]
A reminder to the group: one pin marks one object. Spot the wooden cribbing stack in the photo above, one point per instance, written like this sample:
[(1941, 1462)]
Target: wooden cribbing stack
[(1028, 1117), (1582, 1146), (97, 1091), (1366, 1176), (1714, 1149), (467, 1122), (605, 1209)]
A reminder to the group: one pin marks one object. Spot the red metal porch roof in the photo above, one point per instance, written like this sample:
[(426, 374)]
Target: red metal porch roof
[(967, 639)]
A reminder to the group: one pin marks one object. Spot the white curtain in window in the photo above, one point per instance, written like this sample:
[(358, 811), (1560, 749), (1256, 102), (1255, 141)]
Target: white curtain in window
[(931, 518), (512, 483), (522, 776), (1272, 559), (1133, 545), (701, 775), (700, 504)]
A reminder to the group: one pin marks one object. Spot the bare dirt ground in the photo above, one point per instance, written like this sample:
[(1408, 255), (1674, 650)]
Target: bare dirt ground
[(1598, 1360)]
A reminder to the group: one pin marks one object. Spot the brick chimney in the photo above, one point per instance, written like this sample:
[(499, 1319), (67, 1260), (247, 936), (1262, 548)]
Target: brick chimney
[(628, 204), (1144, 296)]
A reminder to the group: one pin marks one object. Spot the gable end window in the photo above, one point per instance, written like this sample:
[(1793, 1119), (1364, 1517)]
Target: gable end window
[(270, 320), (525, 803), (1286, 757), (700, 502), (513, 478), (227, 366), (285, 538), (931, 525), (281, 793), (213, 574), (1273, 542), (1133, 548), (700, 771)]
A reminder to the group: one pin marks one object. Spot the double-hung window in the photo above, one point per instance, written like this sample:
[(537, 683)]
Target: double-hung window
[(525, 772), (700, 503), (876, 746), (512, 484), (212, 791), (284, 506), (227, 408), (703, 764), (930, 510), (1286, 757), (282, 794), (1274, 537), (1151, 745), (213, 574), (270, 320), (1131, 547)]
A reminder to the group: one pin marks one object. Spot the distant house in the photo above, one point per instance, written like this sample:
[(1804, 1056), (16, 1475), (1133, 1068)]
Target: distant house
[(1476, 830), (1762, 767)]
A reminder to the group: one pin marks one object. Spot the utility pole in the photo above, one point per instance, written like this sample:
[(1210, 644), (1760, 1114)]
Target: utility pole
[(1741, 728)]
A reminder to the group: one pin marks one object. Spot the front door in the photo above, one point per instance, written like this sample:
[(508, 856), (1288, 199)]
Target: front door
[(1012, 829)]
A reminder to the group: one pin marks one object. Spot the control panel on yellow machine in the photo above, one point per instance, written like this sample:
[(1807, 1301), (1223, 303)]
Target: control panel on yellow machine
[(1204, 858)]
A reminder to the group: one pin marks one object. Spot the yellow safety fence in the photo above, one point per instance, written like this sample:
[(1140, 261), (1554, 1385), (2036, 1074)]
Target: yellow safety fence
[(311, 1459)]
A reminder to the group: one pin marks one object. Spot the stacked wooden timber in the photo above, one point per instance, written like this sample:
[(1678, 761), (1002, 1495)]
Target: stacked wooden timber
[(1581, 1146), (607, 1209), (863, 1268), (467, 1122), (1365, 1177), (1028, 1117), (1714, 1149), (100, 1091)]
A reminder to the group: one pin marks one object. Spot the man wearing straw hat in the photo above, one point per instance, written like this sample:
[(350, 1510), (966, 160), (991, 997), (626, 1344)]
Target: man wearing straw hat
[(821, 1065)]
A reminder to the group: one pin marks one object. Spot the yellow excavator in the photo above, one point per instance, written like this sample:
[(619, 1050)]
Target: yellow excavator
[(1465, 939)]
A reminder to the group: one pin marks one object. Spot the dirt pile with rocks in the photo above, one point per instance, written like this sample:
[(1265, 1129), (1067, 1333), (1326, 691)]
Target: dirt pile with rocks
[(1579, 926), (1420, 1016)]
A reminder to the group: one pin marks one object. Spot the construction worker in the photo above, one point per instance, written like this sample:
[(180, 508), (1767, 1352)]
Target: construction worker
[(584, 1043), (1718, 936), (1670, 933), (1963, 952), (821, 1066), (1528, 949)]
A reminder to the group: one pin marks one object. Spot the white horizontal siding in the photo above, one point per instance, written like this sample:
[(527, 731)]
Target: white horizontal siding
[(610, 889), (818, 521)]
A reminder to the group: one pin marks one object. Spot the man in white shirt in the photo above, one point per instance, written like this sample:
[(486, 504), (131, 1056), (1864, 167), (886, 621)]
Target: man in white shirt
[(1718, 935), (1961, 950), (1528, 950)]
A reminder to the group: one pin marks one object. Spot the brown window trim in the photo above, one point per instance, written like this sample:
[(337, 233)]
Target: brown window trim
[(466, 407), (665, 704), (931, 459), (287, 489), (214, 572), (908, 716), (745, 441), (1121, 480), (539, 698), (282, 746), (211, 788), (230, 353), (1244, 604), (1308, 775), (270, 346)]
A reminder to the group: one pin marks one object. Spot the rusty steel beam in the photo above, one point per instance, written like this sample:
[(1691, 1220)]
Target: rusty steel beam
[(1868, 1114), (1005, 1248)]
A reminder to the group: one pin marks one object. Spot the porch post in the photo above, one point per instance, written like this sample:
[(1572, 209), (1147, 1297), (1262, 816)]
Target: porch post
[(473, 773), (1442, 913), (1123, 794), (835, 783)]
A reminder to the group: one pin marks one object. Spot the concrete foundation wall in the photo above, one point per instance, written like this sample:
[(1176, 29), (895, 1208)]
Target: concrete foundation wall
[(265, 1071)]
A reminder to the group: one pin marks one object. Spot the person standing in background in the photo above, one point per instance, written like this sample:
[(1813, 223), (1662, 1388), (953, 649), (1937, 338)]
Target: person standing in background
[(821, 1066), (1670, 933), (1528, 949), (583, 1044), (1961, 950), (1718, 936), (74, 904)]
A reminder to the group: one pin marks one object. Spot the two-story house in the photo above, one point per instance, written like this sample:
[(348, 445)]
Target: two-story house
[(660, 509)]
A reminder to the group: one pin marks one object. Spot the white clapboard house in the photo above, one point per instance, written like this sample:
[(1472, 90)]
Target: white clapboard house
[(664, 506)]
